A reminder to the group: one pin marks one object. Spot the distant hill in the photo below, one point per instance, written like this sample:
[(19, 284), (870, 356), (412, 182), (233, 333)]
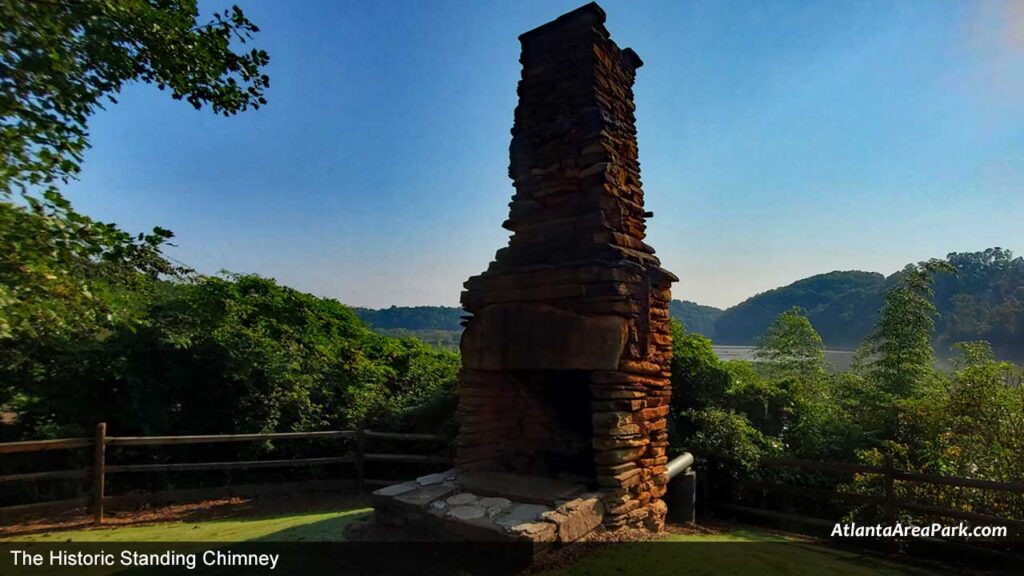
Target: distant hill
[(695, 317), (441, 324), (437, 325), (984, 300), (412, 317), (842, 306)]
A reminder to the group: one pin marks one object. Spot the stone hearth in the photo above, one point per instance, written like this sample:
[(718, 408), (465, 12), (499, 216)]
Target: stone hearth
[(567, 345), (460, 505)]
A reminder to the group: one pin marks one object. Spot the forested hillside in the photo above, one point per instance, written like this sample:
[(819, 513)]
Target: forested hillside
[(435, 325), (842, 307), (984, 300), (695, 317), (439, 325), (412, 317), (981, 299)]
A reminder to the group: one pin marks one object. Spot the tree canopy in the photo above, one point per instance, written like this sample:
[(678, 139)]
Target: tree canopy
[(61, 61), (791, 346), (900, 351), (230, 354)]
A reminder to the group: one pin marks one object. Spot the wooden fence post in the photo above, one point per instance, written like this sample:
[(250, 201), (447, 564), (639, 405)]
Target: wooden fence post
[(890, 501), (890, 491), (360, 462), (98, 472), (708, 465)]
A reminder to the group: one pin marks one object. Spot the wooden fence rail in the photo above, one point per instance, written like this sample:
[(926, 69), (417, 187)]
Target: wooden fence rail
[(100, 469), (888, 501), (40, 445), (215, 438)]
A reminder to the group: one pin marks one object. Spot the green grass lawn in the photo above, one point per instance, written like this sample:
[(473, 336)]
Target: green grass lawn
[(320, 527)]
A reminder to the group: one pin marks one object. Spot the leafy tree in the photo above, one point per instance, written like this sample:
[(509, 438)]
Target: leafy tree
[(234, 354), (61, 271), (983, 418), (714, 403), (64, 279), (972, 428), (723, 432), (61, 60), (791, 347), (807, 417), (857, 415), (407, 383), (753, 395), (698, 378), (900, 349)]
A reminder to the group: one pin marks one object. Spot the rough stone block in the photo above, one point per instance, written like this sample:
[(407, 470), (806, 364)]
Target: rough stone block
[(541, 337), (537, 531), (576, 519)]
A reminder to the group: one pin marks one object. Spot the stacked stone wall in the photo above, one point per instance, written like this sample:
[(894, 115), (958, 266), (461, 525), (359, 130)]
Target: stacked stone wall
[(577, 288)]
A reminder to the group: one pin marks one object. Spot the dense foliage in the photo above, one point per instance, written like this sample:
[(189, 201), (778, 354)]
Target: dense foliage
[(447, 339), (236, 354), (63, 275), (57, 268), (95, 323), (967, 422)]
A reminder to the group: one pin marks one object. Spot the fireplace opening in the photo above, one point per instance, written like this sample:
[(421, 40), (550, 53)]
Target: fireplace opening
[(553, 435)]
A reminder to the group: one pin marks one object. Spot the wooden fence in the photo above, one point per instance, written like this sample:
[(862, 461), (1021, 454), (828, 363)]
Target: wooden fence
[(887, 500), (98, 472)]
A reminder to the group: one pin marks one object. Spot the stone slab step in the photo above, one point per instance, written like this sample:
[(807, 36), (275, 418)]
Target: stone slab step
[(519, 488), (491, 506)]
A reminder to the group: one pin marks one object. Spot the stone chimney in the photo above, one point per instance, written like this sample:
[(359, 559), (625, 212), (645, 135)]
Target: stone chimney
[(566, 352)]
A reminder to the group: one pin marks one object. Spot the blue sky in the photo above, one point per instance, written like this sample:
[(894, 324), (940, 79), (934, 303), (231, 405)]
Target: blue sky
[(777, 140)]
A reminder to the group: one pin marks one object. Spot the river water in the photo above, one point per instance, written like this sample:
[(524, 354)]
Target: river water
[(838, 359)]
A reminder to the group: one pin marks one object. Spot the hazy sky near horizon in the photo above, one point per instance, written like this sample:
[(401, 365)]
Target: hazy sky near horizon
[(777, 140)]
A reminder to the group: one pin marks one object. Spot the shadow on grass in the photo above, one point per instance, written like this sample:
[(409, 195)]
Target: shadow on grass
[(326, 530), (185, 511)]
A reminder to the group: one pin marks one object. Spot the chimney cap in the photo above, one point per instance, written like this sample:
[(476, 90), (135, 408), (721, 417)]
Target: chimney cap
[(592, 12)]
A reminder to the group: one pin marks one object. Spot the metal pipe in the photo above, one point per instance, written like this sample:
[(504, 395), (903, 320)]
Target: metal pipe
[(679, 464)]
